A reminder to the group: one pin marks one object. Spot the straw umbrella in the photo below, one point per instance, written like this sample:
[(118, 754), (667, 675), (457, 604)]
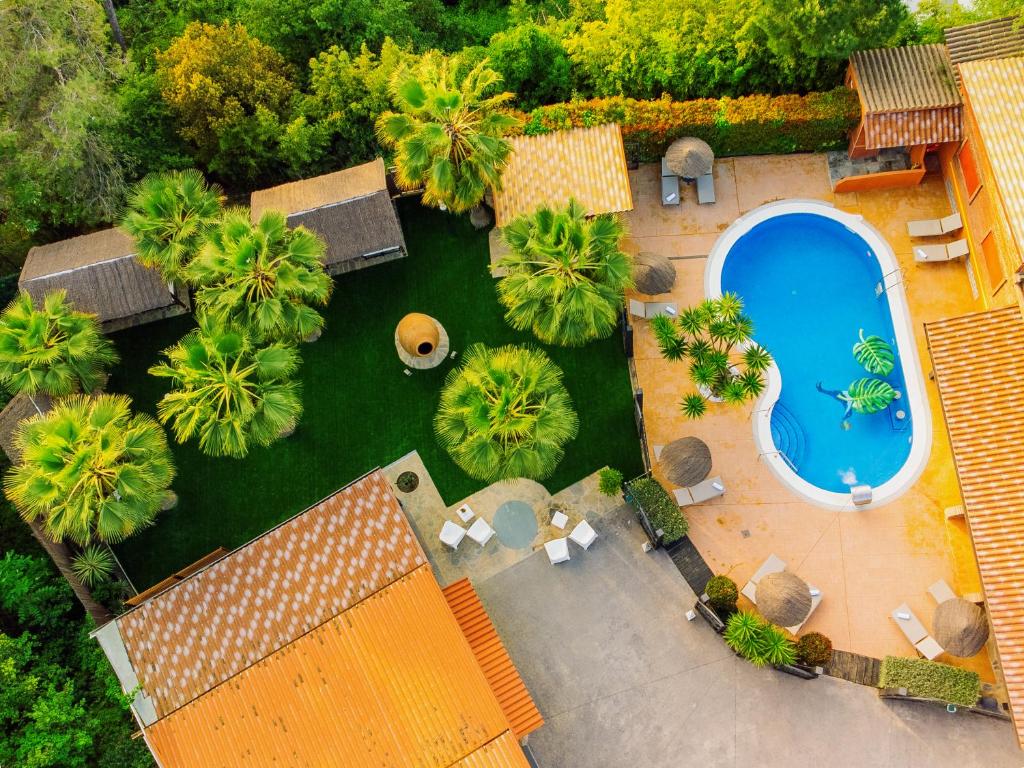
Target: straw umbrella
[(653, 273), (960, 627), (686, 461), (689, 157), (783, 598)]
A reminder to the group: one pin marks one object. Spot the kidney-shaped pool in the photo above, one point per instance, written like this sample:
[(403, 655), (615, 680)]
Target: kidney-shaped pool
[(811, 278)]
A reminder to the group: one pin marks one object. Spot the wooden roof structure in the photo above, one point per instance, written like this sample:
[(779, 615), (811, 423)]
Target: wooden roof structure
[(992, 39), (588, 164), (325, 641), (101, 276), (978, 369), (351, 209), (908, 96)]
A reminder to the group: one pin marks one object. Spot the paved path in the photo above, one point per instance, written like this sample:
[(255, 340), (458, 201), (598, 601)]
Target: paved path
[(624, 681)]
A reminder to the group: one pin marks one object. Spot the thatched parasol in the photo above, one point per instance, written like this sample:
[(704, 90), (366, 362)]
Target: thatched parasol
[(653, 273), (960, 627), (689, 157), (783, 598), (686, 461)]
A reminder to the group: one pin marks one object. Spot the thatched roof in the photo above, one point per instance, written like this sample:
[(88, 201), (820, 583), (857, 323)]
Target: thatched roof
[(99, 273), (653, 273), (19, 409), (689, 157), (960, 627), (686, 461), (783, 598), (351, 209)]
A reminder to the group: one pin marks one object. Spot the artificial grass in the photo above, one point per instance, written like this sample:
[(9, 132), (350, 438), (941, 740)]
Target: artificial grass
[(361, 410)]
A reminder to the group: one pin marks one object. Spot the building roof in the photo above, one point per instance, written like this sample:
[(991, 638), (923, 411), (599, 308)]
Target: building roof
[(992, 39), (978, 369), (588, 164), (100, 274), (351, 209), (908, 96), (995, 90), (19, 408)]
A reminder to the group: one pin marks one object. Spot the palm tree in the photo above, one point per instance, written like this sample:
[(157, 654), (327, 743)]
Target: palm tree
[(169, 215), (448, 135), (90, 470), (53, 350), (565, 275), (264, 276), (505, 414), (228, 391)]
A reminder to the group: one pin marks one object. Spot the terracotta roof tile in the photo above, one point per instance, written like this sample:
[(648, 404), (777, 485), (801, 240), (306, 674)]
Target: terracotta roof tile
[(992, 39), (908, 78)]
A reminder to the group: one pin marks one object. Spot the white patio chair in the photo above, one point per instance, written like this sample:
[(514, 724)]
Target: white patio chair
[(452, 534), (558, 550), (928, 253), (941, 591), (583, 534), (480, 531)]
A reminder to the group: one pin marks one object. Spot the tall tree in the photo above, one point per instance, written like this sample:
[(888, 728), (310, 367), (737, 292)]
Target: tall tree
[(565, 275), (448, 134)]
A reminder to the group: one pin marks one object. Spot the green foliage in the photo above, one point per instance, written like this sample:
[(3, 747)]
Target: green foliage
[(868, 395), (758, 641), (722, 595), (93, 565), (934, 16), (931, 680), (609, 481), (661, 509), (447, 133), (566, 275), (170, 215), (53, 350), (533, 64), (90, 469), (505, 414), (814, 649), (229, 391), (262, 276), (147, 131), (875, 354), (30, 592)]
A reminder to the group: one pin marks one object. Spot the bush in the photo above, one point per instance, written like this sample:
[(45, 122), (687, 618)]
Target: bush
[(659, 506), (814, 649), (749, 125), (931, 680), (722, 595), (609, 481), (758, 641)]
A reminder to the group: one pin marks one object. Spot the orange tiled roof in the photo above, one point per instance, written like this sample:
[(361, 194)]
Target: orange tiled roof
[(995, 90), (389, 682), (217, 622), (490, 652), (588, 164), (978, 369)]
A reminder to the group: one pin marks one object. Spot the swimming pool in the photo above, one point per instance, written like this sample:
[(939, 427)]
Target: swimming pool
[(810, 277)]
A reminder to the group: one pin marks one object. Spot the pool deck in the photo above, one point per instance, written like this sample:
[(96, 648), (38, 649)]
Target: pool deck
[(866, 563)]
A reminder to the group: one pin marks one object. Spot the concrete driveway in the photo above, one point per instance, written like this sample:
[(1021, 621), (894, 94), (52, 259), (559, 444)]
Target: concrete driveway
[(625, 681)]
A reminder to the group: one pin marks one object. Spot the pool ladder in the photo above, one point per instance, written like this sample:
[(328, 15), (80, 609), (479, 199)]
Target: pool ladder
[(885, 283)]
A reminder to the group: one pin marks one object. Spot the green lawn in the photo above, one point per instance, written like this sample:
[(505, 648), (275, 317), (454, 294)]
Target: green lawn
[(361, 411)]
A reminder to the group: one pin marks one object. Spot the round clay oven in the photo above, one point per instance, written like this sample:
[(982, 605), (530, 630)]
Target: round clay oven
[(418, 334)]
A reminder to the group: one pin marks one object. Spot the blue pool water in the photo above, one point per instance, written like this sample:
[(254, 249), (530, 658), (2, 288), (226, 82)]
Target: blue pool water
[(808, 284)]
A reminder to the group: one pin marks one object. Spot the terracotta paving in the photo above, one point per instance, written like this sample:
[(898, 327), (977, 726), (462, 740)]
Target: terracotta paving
[(866, 563)]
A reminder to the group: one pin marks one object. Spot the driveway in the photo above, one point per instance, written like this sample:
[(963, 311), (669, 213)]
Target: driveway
[(625, 681)]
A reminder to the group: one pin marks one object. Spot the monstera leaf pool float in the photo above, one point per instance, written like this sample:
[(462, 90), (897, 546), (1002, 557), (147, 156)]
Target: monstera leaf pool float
[(868, 395), (875, 354)]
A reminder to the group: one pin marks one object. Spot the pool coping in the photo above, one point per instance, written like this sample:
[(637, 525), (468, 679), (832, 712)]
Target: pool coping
[(916, 393)]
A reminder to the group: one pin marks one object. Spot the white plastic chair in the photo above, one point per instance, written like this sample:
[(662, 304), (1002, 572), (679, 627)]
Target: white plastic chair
[(583, 534), (480, 531), (452, 534), (558, 550)]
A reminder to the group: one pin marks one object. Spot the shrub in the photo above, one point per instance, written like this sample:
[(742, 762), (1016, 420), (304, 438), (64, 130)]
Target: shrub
[(609, 481), (931, 680), (749, 125), (722, 595), (814, 649), (659, 506), (758, 641)]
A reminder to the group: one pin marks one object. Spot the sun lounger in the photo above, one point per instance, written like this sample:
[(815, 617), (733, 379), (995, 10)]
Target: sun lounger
[(583, 534), (815, 602), (929, 648), (657, 450), (558, 550), (705, 189), (480, 531), (955, 250), (774, 564), (452, 534), (648, 309), (935, 227), (909, 624), (701, 492), (669, 186), (941, 591)]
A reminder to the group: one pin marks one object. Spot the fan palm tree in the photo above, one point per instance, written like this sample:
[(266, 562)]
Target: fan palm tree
[(263, 276), (229, 391), (447, 133), (90, 469), (169, 215), (565, 275), (53, 350), (505, 414)]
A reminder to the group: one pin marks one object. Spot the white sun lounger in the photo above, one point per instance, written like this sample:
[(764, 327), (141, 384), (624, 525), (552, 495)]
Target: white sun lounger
[(558, 550), (480, 531), (941, 252), (701, 492), (452, 534), (935, 227), (774, 564), (929, 648), (705, 189), (648, 309), (583, 534), (669, 185), (909, 624), (941, 591)]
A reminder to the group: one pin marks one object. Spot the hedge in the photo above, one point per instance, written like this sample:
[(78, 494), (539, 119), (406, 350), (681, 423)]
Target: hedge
[(749, 125), (931, 680), (659, 506)]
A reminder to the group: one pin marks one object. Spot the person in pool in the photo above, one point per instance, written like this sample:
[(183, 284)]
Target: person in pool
[(845, 422)]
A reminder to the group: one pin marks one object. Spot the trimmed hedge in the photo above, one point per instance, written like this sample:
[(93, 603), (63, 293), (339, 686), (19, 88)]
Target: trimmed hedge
[(931, 680), (661, 509), (749, 125)]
